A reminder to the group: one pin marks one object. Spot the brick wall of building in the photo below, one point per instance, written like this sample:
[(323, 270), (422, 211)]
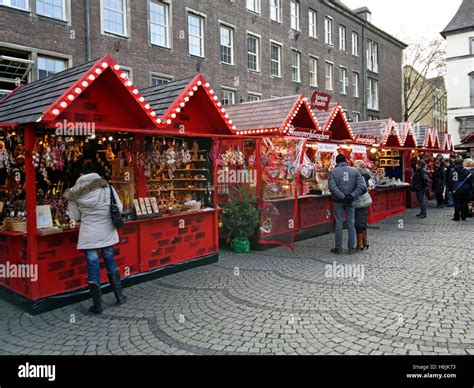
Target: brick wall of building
[(67, 40)]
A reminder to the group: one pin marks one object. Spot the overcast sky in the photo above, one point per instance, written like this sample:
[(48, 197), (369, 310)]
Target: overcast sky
[(412, 19)]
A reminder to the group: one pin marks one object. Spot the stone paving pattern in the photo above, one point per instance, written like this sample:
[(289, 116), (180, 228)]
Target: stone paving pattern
[(416, 298)]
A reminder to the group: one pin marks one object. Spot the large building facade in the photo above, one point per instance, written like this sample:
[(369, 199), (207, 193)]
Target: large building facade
[(425, 100), (459, 35), (248, 49)]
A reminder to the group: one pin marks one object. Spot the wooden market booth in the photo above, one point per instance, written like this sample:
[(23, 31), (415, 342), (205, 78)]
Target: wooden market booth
[(387, 154), (271, 137), (50, 122)]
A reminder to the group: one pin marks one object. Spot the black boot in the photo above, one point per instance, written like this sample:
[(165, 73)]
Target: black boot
[(116, 285), (96, 295)]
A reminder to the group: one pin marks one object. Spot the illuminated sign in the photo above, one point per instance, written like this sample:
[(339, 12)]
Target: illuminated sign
[(320, 101)]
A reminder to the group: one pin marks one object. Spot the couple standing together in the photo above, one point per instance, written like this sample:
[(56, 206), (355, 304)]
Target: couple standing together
[(348, 185)]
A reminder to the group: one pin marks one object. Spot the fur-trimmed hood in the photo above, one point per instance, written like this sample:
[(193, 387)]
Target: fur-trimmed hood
[(84, 185)]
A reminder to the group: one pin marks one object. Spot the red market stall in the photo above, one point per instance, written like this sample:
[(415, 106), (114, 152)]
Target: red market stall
[(94, 111), (273, 151), (386, 153)]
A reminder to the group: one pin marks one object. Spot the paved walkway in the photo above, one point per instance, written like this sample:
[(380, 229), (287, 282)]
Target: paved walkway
[(415, 297)]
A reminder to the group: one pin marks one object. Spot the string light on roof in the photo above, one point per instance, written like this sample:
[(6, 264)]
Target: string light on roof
[(105, 65), (117, 67)]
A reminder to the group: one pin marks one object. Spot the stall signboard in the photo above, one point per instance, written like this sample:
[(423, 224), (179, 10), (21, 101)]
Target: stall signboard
[(320, 101), (311, 134), (366, 139)]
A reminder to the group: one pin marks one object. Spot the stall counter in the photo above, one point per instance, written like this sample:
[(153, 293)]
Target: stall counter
[(145, 245)]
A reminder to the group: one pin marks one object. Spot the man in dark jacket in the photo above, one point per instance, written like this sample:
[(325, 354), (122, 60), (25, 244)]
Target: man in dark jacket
[(419, 184), (439, 182), (461, 186), (346, 184)]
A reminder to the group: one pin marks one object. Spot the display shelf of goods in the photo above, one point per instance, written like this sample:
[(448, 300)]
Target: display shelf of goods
[(179, 173)]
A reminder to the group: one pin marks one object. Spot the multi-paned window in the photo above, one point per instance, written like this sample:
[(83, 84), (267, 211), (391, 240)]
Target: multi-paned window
[(253, 5), (228, 97), (372, 56), (355, 117), (328, 31), (343, 80), (160, 23), (355, 84), (329, 76), (312, 23), (226, 44), (295, 15), (253, 53), (373, 93), (275, 59), (21, 4), (158, 80), (275, 10), (115, 16), (342, 38), (355, 43), (295, 66), (252, 97), (48, 66), (471, 46), (195, 35), (313, 71), (51, 8)]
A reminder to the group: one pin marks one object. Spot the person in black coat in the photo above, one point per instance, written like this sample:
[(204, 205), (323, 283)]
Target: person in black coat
[(419, 184), (439, 182), (460, 184), (448, 197)]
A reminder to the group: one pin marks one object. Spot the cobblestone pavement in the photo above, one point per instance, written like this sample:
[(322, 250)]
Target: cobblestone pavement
[(416, 297)]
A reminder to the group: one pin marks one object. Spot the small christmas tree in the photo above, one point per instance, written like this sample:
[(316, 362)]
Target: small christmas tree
[(240, 217)]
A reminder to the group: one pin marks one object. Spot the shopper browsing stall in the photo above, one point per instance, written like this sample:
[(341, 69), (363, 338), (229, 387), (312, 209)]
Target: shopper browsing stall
[(439, 181), (362, 211), (419, 185), (346, 184), (461, 187), (89, 201)]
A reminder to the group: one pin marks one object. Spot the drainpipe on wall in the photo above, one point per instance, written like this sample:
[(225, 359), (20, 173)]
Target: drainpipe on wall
[(87, 7), (364, 71)]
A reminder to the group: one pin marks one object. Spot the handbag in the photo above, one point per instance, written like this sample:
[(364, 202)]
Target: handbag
[(117, 219), (364, 200)]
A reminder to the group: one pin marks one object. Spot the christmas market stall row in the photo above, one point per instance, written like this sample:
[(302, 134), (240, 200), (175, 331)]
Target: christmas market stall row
[(155, 147), (286, 159)]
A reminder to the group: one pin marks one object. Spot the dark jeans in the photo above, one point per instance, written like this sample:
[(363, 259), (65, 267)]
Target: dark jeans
[(421, 199), (461, 209), (439, 199), (93, 265), (361, 219), (349, 210)]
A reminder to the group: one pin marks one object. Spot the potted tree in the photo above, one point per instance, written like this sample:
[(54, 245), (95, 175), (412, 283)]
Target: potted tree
[(240, 217)]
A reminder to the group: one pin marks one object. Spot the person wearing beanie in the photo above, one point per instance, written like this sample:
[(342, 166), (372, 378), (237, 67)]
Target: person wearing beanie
[(89, 201), (345, 184), (419, 184)]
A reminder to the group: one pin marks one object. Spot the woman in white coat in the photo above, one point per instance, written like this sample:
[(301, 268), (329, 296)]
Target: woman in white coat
[(89, 203)]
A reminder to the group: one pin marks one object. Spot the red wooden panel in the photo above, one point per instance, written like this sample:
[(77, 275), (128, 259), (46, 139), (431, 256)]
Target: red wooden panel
[(280, 213), (63, 268), (171, 240), (13, 251), (315, 211)]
